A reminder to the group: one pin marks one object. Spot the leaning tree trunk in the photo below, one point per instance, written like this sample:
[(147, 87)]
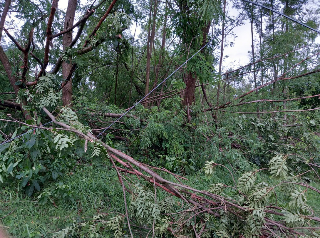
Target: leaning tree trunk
[(67, 39)]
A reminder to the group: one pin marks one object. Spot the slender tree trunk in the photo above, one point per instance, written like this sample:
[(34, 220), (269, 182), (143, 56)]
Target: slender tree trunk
[(151, 35), (117, 72), (253, 57), (66, 41), (260, 42), (221, 58), (221, 49), (163, 44)]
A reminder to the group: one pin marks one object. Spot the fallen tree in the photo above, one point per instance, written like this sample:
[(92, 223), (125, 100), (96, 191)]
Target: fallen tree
[(252, 210)]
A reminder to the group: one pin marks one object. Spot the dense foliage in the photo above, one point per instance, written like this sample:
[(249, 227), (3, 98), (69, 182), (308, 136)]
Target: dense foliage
[(105, 132)]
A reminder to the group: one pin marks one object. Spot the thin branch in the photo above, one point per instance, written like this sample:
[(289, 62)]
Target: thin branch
[(261, 60), (3, 16), (74, 66), (6, 103), (100, 22), (268, 112), (26, 54), (38, 60), (83, 20), (124, 195), (277, 100), (13, 40), (49, 32), (262, 86)]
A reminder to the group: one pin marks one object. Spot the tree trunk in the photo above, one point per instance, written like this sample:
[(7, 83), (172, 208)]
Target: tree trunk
[(253, 57), (188, 95), (260, 42), (150, 43), (117, 74), (163, 44), (66, 40), (221, 49)]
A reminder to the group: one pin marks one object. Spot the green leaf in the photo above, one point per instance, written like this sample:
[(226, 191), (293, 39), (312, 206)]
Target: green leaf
[(55, 175), (35, 153), (36, 185), (14, 134), (31, 142), (10, 168), (3, 147), (25, 181), (19, 176), (29, 190)]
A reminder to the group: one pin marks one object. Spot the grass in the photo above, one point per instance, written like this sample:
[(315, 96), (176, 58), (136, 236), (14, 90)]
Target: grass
[(83, 194), (88, 191)]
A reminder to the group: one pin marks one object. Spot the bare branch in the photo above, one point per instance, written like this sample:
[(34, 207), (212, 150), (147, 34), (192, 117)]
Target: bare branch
[(82, 22), (13, 40), (9, 104), (49, 32), (268, 112), (25, 59), (100, 22), (4, 15)]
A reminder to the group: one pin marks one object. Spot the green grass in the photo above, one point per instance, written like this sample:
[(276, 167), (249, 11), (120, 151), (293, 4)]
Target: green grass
[(86, 192), (91, 190)]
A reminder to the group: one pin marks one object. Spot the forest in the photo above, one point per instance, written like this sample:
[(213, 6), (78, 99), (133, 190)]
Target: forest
[(128, 118)]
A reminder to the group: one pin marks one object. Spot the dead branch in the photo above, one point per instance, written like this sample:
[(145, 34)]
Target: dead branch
[(277, 100), (262, 86), (268, 112), (203, 201)]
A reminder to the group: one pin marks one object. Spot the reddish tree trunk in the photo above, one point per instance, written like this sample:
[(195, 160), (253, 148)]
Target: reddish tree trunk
[(67, 39), (188, 95)]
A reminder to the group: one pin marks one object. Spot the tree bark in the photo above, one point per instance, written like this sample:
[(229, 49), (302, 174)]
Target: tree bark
[(221, 49), (253, 56), (67, 40), (151, 35), (190, 81)]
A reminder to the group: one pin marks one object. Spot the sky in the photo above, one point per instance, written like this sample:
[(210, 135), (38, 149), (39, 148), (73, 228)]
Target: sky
[(239, 54)]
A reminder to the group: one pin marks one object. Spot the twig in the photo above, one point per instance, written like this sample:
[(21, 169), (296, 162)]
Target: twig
[(49, 32), (83, 20), (124, 195), (99, 23), (267, 112)]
